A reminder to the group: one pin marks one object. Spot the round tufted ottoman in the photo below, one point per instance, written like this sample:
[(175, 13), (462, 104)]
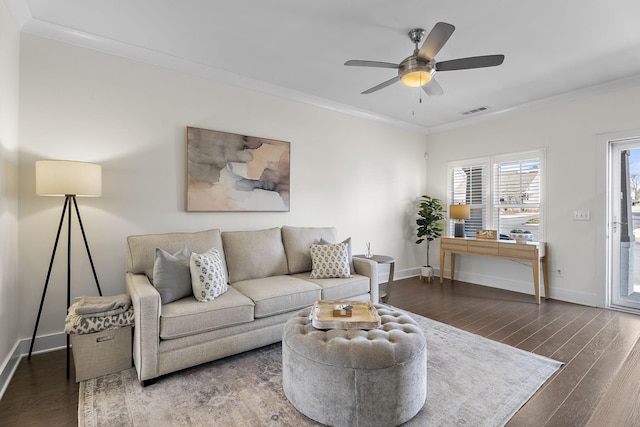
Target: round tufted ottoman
[(353, 377)]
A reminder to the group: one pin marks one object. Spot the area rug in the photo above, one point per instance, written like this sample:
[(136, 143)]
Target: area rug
[(471, 381)]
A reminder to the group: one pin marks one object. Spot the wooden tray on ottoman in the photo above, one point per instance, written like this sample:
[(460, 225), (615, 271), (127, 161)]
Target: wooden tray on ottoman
[(363, 316)]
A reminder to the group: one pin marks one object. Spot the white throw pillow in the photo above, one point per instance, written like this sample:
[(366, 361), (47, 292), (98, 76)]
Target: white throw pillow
[(208, 280), (328, 261)]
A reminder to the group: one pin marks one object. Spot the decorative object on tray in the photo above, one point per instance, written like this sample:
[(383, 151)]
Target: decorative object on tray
[(368, 254), (342, 310), (521, 236), (487, 234), (231, 172), (363, 315)]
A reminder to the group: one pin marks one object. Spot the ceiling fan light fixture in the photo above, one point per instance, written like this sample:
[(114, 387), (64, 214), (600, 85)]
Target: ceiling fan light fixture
[(417, 78), (414, 72)]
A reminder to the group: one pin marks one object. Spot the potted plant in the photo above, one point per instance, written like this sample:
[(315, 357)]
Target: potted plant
[(430, 216)]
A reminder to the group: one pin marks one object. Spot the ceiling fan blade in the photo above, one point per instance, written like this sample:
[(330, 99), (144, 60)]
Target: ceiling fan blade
[(433, 88), (438, 36), (381, 85), (471, 62), (377, 64)]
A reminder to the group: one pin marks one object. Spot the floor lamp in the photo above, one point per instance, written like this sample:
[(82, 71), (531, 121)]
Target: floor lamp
[(68, 179)]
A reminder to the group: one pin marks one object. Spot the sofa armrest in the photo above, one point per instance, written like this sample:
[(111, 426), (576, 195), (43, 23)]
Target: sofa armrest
[(369, 268), (146, 337)]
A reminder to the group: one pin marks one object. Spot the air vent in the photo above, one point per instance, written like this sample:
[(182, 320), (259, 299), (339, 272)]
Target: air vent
[(475, 110)]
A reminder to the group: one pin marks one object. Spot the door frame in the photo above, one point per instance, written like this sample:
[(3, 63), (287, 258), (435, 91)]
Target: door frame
[(603, 213)]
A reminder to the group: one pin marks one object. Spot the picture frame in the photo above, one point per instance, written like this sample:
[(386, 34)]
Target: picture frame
[(229, 172)]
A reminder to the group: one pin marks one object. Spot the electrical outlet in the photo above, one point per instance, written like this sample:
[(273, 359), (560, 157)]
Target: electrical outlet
[(558, 271), (581, 215)]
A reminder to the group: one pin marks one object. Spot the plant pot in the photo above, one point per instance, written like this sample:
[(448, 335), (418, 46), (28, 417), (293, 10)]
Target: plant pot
[(426, 272)]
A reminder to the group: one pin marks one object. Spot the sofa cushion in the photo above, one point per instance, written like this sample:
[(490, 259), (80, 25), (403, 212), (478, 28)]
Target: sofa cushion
[(207, 275), (298, 240), (141, 251), (339, 288), (329, 261), (254, 254), (171, 275), (187, 316), (278, 294)]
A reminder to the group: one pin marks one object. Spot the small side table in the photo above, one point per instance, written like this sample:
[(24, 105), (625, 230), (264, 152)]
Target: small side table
[(383, 259)]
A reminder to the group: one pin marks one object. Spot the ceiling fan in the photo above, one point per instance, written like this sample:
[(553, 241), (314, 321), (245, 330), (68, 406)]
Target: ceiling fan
[(418, 69)]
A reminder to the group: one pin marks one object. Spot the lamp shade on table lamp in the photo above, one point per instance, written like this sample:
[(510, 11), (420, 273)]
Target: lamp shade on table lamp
[(459, 213), (64, 177)]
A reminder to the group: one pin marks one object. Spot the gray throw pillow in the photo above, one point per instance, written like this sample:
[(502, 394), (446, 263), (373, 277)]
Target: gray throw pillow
[(171, 275)]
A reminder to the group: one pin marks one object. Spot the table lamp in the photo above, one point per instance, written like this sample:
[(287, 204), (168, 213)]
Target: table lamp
[(459, 213), (68, 179)]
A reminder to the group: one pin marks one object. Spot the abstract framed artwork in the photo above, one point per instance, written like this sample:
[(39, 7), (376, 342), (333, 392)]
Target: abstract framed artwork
[(228, 172)]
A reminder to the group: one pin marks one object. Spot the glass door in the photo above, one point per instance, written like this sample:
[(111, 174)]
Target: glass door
[(625, 224)]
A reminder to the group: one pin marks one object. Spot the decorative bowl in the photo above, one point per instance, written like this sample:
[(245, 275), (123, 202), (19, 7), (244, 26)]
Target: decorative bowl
[(521, 237)]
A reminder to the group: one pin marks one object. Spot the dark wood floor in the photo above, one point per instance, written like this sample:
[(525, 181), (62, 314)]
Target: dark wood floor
[(40, 394), (598, 386)]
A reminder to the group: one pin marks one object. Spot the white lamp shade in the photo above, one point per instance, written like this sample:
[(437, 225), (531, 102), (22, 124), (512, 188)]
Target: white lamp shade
[(64, 177), (459, 211)]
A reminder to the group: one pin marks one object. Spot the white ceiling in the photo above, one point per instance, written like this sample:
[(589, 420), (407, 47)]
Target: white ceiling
[(297, 48)]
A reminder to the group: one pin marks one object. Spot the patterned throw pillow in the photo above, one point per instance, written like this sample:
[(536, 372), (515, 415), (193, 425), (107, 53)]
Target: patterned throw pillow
[(329, 261), (348, 242), (207, 275)]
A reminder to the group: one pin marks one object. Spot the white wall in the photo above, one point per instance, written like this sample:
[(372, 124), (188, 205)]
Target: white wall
[(9, 103), (360, 176), (568, 131)]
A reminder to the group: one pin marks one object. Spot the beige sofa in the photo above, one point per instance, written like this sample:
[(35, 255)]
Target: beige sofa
[(268, 273)]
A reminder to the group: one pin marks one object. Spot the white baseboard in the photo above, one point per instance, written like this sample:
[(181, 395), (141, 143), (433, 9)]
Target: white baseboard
[(9, 368), (523, 287), (383, 277), (43, 344)]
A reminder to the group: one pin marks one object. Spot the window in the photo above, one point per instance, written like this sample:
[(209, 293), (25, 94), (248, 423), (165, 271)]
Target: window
[(468, 187), (503, 192)]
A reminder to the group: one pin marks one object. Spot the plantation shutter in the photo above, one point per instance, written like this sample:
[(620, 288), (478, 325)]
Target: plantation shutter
[(517, 196), (468, 187)]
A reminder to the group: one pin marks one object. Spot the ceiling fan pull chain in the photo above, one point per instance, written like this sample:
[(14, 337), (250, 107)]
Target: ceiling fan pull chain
[(413, 100)]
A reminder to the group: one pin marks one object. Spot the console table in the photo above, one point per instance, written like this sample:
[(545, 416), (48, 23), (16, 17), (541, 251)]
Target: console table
[(532, 252)]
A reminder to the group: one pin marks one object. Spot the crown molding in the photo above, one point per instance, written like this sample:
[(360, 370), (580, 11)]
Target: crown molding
[(79, 38)]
